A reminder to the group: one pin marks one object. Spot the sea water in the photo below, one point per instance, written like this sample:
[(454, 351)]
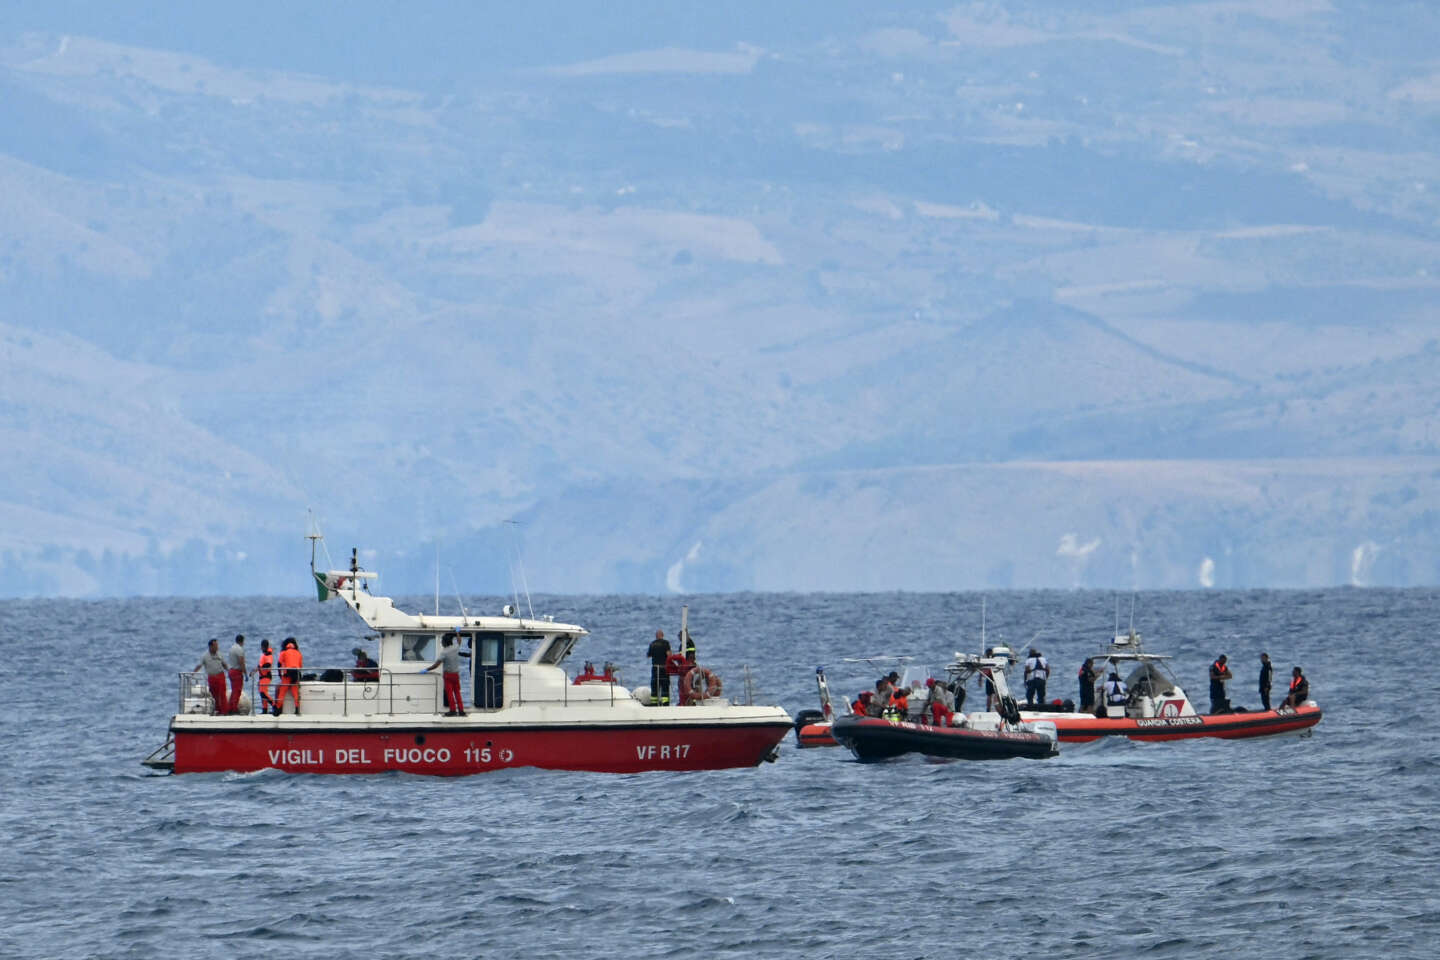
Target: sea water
[(1319, 846)]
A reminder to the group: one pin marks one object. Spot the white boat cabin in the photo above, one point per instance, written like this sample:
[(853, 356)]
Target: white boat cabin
[(1151, 689), (506, 660)]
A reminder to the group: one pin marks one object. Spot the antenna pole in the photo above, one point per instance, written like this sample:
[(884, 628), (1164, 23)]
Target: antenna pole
[(464, 614)]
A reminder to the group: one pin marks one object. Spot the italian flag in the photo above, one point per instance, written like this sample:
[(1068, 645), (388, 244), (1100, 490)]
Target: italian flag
[(327, 584)]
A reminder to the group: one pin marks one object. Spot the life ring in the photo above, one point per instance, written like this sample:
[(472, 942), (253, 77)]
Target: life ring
[(676, 664), (701, 684)]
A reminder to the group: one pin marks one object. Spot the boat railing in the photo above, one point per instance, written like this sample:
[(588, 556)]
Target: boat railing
[(361, 696), (407, 692), (742, 694)]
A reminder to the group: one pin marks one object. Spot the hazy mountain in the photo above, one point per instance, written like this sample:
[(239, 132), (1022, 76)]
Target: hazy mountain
[(913, 297)]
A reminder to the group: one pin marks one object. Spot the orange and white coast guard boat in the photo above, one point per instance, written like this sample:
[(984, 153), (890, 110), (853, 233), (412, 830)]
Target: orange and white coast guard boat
[(523, 709), (1151, 704)]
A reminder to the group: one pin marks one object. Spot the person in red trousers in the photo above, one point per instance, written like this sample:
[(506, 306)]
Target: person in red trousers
[(214, 666), (449, 662), (235, 660)]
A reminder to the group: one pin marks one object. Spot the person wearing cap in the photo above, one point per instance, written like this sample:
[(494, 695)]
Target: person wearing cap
[(1267, 670), (1219, 676), (235, 660), (214, 666), (291, 660), (366, 670), (263, 671), (449, 662)]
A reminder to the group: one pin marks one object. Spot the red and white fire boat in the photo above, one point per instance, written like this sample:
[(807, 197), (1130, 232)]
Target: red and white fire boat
[(1150, 703), (523, 709)]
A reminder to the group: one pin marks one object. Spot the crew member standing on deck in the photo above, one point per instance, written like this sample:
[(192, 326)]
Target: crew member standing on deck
[(1087, 686), (1266, 670), (291, 661), (688, 646), (659, 677), (263, 671), (235, 660), (449, 662), (214, 666), (1037, 671), (1219, 676)]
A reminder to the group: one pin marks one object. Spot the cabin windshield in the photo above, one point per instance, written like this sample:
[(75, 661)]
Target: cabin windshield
[(1147, 679), (558, 649)]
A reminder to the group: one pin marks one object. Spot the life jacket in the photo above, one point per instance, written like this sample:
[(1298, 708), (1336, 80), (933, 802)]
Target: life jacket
[(291, 659), (1296, 682), (1218, 670), (267, 659)]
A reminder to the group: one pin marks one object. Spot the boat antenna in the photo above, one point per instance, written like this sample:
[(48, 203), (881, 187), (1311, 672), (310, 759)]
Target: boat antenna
[(437, 578), (982, 623), (313, 534), (517, 563), (465, 614)]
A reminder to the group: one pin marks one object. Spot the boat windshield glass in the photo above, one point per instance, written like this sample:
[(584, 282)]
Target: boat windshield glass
[(1149, 680), (417, 646), (504, 647), (558, 649)]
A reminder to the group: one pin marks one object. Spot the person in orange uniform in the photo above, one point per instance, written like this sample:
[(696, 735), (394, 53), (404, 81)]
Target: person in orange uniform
[(291, 661), (937, 697), (900, 702), (263, 670)]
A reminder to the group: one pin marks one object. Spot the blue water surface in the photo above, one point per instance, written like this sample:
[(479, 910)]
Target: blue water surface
[(1322, 846)]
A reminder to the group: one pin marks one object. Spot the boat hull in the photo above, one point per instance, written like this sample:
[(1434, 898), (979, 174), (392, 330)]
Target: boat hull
[(1083, 727), (815, 735), (460, 747), (872, 738)]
